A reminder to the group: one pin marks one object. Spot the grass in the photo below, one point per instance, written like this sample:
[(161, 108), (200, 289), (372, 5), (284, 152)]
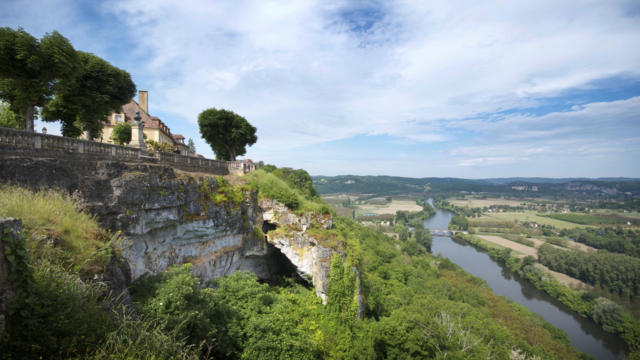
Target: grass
[(389, 208), (526, 216), (588, 219), (52, 217), (474, 202), (273, 187)]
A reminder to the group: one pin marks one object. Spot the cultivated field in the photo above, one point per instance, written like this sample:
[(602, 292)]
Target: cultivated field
[(391, 208), (525, 216), (522, 250), (480, 203)]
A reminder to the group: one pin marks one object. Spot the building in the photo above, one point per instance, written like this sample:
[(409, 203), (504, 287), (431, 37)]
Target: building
[(153, 128)]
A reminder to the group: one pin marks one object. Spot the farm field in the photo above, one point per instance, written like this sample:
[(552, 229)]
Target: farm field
[(480, 203), (390, 208), (521, 250), (525, 216)]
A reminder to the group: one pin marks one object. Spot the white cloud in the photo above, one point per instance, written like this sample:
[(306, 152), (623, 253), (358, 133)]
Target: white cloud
[(310, 72), (293, 67)]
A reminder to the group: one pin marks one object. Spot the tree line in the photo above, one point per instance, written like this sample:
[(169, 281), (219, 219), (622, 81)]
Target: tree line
[(617, 273), (77, 88), (616, 240)]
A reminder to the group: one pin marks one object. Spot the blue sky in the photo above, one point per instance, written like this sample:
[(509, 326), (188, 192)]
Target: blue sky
[(410, 88)]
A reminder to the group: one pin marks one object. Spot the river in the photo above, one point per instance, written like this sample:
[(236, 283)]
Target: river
[(584, 334)]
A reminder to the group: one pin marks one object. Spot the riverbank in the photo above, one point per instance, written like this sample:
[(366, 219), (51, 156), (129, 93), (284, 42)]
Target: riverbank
[(602, 311)]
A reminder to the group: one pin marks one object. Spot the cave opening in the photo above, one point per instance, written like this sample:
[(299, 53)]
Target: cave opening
[(268, 226), (281, 270)]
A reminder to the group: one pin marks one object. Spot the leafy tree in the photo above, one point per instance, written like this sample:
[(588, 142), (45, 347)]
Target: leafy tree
[(83, 103), (341, 290), (191, 145), (175, 298), (31, 70), (299, 179), (459, 223), (10, 119), (268, 168), (121, 134), (423, 237), (226, 132)]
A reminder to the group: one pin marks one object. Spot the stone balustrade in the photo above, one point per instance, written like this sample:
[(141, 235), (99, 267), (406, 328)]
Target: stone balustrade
[(20, 140)]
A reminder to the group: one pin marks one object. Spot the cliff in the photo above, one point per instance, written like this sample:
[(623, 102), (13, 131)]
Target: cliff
[(169, 217)]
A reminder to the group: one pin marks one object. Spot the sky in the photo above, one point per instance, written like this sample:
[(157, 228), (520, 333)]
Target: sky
[(472, 89)]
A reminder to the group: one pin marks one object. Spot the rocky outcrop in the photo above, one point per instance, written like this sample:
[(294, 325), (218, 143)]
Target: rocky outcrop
[(168, 217), (10, 230), (311, 259)]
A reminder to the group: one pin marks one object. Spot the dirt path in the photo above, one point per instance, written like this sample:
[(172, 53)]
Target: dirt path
[(579, 246), (523, 249), (527, 250), (567, 280)]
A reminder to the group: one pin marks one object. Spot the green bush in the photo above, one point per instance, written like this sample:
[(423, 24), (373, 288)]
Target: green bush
[(175, 299), (62, 318), (121, 134), (269, 185)]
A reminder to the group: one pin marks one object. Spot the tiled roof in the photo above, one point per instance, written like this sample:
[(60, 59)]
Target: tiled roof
[(148, 120)]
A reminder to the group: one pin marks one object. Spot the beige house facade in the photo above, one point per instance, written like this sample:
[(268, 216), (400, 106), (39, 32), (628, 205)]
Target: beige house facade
[(153, 127)]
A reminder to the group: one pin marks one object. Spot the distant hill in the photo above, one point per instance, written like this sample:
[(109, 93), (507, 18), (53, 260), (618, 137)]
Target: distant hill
[(517, 186), (542, 180)]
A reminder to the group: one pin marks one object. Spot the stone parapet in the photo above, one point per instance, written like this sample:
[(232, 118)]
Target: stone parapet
[(37, 144)]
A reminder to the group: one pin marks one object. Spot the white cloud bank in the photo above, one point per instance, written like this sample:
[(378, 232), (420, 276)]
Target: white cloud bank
[(311, 72)]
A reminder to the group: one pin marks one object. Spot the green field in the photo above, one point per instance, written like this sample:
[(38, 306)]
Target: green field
[(525, 216), (595, 219)]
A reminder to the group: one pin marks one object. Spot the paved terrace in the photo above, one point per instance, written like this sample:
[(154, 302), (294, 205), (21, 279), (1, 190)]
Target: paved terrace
[(26, 143)]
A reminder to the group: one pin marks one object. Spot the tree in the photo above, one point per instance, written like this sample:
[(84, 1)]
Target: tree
[(121, 134), (31, 70), (84, 102), (10, 119), (191, 145), (226, 132)]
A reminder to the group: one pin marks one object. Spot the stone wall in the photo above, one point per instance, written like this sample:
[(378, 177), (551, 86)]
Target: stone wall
[(36, 145), (10, 230)]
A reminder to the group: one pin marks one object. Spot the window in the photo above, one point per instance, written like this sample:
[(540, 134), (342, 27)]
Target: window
[(118, 118)]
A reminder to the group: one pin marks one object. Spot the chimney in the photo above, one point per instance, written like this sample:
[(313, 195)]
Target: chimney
[(143, 100)]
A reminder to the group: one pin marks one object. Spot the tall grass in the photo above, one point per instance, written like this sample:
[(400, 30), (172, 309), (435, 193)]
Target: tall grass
[(52, 217), (271, 186)]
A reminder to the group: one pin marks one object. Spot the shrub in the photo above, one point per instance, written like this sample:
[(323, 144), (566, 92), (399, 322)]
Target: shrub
[(121, 134), (271, 186)]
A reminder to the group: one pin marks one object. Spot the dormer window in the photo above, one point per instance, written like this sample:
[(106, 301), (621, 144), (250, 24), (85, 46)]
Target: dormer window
[(118, 118)]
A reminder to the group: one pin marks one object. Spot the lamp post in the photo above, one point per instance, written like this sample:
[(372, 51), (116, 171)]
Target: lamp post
[(141, 145)]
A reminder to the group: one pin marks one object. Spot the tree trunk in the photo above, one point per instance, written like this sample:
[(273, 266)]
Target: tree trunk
[(28, 117), (232, 154)]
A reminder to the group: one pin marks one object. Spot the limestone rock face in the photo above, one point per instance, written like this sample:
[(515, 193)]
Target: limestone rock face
[(167, 219), (311, 259)]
